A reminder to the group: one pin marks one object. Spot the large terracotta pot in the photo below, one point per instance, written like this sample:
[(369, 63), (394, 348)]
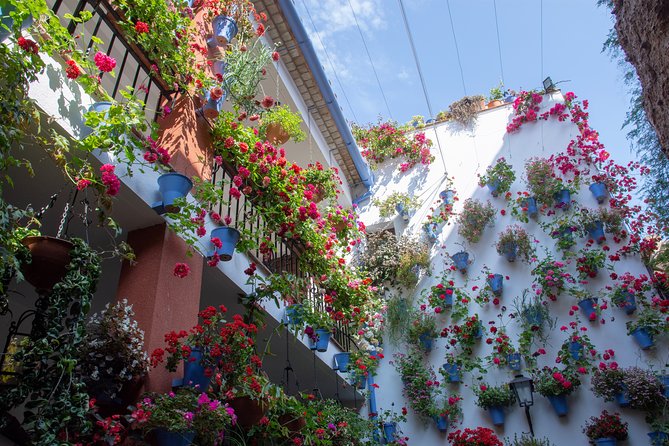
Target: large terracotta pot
[(50, 257), (494, 103), (276, 134), (248, 411)]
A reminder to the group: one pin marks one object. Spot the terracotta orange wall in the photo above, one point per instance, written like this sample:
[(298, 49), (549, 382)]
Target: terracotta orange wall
[(162, 302)]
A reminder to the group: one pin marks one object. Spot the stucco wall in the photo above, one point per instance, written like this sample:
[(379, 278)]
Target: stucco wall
[(467, 153)]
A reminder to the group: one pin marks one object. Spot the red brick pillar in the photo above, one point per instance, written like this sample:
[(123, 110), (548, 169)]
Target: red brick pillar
[(162, 302)]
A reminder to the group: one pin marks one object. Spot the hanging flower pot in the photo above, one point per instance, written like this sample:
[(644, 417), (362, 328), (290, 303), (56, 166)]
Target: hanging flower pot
[(218, 67), (49, 258), (194, 371), (643, 338), (248, 411), (442, 423), (224, 29), (588, 306), (447, 301), (479, 332), (172, 185), (511, 251), (360, 382), (98, 107), (658, 438), (628, 303), (293, 314), (508, 99), (596, 232), (169, 438), (513, 360), (599, 191), (426, 341), (294, 424), (341, 361), (530, 204), (496, 415), (213, 102), (389, 430), (453, 372), (447, 196), (563, 199), (399, 207), (575, 350), (606, 442), (229, 238), (276, 134), (559, 403), (622, 398), (533, 316), (494, 103), (493, 186), (430, 230), (664, 379), (461, 261), (323, 340), (496, 283)]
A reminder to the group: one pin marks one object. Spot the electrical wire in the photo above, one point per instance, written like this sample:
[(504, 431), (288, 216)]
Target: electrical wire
[(541, 37), (499, 44), (327, 55), (422, 79), (457, 50), (364, 42)]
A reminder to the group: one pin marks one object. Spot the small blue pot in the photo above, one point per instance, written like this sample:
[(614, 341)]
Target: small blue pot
[(173, 185), (212, 107), (293, 314), (442, 423), (426, 341), (168, 438), (606, 442), (229, 238), (399, 207), (513, 359), (194, 371), (576, 350), (496, 284), (665, 382), (497, 415), (361, 382), (461, 261), (596, 232), (341, 361), (510, 251), (448, 298), (389, 430), (622, 398), (533, 316), (225, 29), (430, 230), (447, 196), (629, 303), (588, 306), (494, 187), (98, 107), (9, 22), (563, 199), (658, 438), (531, 205), (559, 404), (323, 339), (599, 191), (509, 99), (479, 332), (453, 373), (218, 67), (643, 338)]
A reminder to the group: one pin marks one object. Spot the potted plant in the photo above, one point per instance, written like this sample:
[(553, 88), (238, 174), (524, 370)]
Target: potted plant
[(452, 368), (496, 283), (562, 229), (563, 195), (417, 122), (460, 261), (541, 181), (591, 225), (527, 440), (319, 326), (503, 352), (496, 96), (474, 218), (464, 110), (606, 429), (173, 185), (551, 278), (607, 383), (555, 385), (498, 177), (422, 331), (601, 186), (389, 421), (623, 298), (225, 240), (244, 70), (279, 124), (363, 364), (419, 381), (446, 410), (325, 181), (48, 260), (577, 351), (397, 203), (480, 436), (440, 296), (224, 29), (648, 324), (589, 262), (494, 399), (514, 241)]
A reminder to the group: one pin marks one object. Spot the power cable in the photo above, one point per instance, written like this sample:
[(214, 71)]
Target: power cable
[(457, 50), (390, 115), (422, 79), (541, 37), (499, 44), (327, 55)]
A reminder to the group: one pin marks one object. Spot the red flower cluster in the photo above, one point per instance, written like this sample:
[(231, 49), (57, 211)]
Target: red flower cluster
[(110, 180), (28, 45), (481, 436), (181, 270), (141, 27), (72, 71), (104, 62)]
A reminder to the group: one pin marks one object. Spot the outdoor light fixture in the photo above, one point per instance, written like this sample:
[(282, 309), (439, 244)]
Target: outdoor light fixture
[(548, 84), (523, 388)]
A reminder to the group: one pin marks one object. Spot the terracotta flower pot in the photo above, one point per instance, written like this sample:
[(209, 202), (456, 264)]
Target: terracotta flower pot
[(248, 411), (292, 423), (482, 105), (494, 103), (276, 134), (50, 257)]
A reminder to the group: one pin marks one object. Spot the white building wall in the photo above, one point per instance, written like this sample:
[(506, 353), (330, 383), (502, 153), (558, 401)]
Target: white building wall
[(466, 153)]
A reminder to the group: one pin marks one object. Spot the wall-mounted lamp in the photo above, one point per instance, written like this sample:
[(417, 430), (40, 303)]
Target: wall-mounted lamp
[(549, 85), (523, 388)]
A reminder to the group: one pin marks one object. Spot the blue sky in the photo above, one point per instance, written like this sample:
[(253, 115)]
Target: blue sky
[(573, 34)]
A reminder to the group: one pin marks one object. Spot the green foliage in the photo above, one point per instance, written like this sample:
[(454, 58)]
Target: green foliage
[(649, 319), (388, 206), (494, 396), (527, 440), (517, 236), (474, 218), (291, 122), (500, 174), (398, 317), (541, 180), (244, 70)]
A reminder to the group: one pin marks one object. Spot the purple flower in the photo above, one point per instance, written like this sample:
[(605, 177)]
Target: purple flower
[(203, 399), (188, 416), (332, 427)]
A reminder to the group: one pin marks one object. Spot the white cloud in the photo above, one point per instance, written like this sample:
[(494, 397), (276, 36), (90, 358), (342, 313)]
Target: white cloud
[(403, 74)]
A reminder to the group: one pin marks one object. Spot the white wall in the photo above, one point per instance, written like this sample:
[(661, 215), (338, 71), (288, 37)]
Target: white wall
[(466, 154)]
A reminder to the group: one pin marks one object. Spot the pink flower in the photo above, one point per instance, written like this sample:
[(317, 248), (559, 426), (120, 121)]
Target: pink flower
[(275, 56), (217, 242), (104, 62), (83, 184), (267, 101), (110, 180), (181, 270)]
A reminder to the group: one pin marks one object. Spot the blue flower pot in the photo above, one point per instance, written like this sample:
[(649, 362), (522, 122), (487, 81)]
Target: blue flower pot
[(447, 196), (497, 415), (452, 372), (442, 423), (629, 303), (9, 22), (658, 438), (461, 261), (479, 332), (643, 338), (218, 67), (341, 361), (599, 191), (513, 360), (493, 186), (563, 199), (229, 238), (606, 442), (531, 205), (622, 399), (360, 382), (448, 298), (399, 207), (224, 28), (576, 350), (430, 230), (323, 339), (664, 379), (173, 185), (426, 341), (588, 306), (212, 107), (496, 284), (98, 107), (389, 430), (168, 438), (559, 404), (596, 232), (293, 314), (509, 99), (533, 316), (510, 251), (194, 371)]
